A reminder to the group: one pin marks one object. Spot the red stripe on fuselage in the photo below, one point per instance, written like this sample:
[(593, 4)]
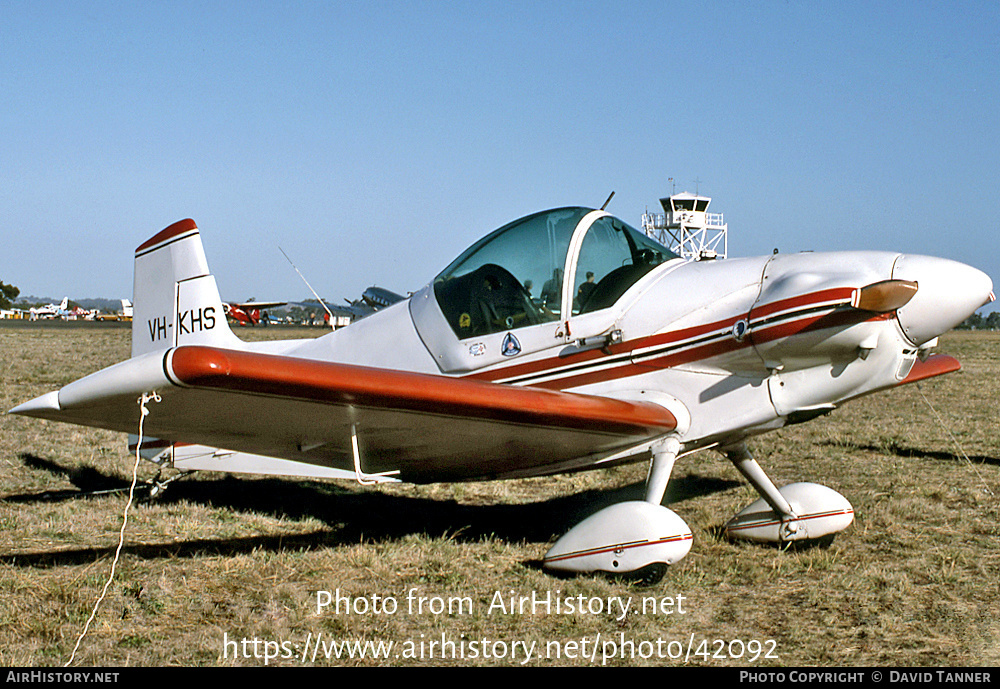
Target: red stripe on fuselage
[(835, 319), (624, 348), (837, 294), (639, 356)]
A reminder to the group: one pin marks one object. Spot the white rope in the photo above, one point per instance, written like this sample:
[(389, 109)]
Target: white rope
[(146, 397), (986, 488)]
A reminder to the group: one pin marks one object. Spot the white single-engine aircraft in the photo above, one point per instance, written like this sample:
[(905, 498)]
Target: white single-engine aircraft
[(506, 366)]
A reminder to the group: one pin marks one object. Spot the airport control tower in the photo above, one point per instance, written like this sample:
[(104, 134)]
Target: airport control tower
[(687, 228)]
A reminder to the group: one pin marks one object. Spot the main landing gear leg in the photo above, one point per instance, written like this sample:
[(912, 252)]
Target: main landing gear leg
[(660, 468), (741, 458), (798, 511), (637, 539)]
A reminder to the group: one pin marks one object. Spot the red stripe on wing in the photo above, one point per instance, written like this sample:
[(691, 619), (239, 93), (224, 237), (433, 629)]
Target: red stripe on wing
[(343, 384)]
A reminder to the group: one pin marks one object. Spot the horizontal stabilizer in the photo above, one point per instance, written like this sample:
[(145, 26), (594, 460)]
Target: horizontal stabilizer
[(185, 457)]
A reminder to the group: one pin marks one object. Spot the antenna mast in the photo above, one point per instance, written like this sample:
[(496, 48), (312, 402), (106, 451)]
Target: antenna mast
[(318, 298)]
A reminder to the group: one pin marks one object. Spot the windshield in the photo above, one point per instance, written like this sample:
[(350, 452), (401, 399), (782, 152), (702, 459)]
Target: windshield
[(510, 278)]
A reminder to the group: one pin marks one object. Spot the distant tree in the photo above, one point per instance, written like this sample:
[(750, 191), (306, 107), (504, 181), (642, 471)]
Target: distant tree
[(973, 322), (977, 322), (8, 293)]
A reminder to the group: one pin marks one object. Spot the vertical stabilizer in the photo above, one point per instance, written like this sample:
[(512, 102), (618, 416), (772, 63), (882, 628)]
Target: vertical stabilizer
[(175, 298)]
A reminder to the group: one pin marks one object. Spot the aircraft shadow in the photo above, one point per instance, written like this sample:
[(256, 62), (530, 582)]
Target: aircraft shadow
[(902, 451), (86, 479), (351, 514)]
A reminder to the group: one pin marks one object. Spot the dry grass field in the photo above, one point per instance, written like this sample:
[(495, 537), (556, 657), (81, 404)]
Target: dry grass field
[(230, 571)]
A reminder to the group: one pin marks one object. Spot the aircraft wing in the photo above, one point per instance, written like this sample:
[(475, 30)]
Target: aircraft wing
[(934, 365), (257, 304), (425, 427)]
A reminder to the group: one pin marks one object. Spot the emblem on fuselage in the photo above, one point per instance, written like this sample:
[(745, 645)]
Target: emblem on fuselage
[(740, 329), (510, 346)]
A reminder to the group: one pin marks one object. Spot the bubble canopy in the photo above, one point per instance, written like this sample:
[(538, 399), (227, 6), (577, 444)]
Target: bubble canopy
[(544, 267)]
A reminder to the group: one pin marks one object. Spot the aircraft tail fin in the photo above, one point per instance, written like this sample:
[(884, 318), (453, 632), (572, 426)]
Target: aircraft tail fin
[(175, 300)]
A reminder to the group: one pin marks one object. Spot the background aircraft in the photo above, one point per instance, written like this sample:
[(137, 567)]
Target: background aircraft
[(50, 310), (250, 312), (372, 299), (379, 297)]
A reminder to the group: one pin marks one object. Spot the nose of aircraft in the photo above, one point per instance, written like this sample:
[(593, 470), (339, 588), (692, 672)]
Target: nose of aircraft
[(948, 292)]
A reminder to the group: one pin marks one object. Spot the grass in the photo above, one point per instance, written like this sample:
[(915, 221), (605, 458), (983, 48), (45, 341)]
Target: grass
[(912, 583)]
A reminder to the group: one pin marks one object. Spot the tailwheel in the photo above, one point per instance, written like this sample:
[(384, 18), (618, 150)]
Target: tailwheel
[(157, 485)]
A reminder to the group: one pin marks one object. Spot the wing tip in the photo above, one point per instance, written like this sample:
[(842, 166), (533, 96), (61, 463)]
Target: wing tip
[(936, 365)]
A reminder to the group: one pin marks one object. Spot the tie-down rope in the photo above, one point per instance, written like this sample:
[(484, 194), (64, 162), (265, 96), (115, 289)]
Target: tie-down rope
[(146, 397), (986, 487)]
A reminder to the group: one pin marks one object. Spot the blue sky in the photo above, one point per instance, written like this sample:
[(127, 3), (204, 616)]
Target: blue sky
[(374, 141)]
